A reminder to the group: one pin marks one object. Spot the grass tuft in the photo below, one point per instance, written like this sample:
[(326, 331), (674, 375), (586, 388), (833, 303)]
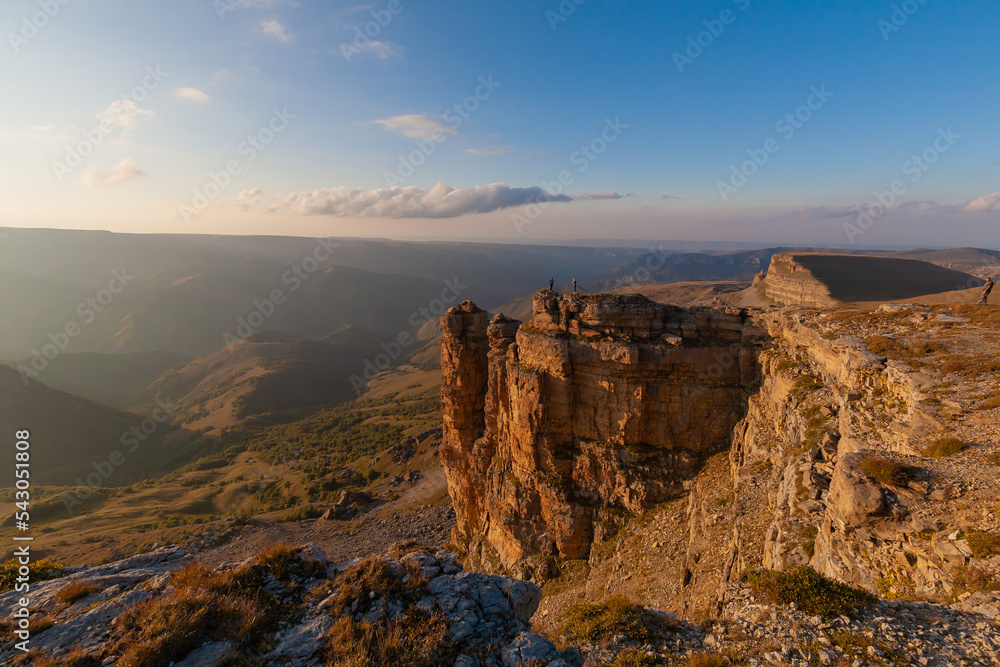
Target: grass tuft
[(885, 471), (76, 590), (586, 622), (943, 447)]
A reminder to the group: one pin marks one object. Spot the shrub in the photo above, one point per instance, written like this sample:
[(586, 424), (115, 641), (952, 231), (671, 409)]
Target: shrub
[(39, 570), (811, 592), (994, 458), (943, 447), (885, 471), (809, 534), (587, 622), (983, 544), (302, 513), (76, 590)]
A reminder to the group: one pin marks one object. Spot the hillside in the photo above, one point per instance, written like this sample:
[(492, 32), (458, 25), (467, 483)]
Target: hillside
[(266, 373), (72, 437), (118, 380)]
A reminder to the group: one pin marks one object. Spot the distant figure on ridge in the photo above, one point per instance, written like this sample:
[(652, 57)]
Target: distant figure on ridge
[(574, 285), (987, 288), (552, 282)]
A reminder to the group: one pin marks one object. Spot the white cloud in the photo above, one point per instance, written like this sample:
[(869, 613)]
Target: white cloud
[(417, 126), (273, 28), (984, 204), (43, 129), (125, 114), (380, 50), (441, 201), (192, 94), (595, 196), (123, 172), (496, 150), (249, 198)]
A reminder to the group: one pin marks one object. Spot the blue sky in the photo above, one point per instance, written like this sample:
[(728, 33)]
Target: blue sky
[(333, 115)]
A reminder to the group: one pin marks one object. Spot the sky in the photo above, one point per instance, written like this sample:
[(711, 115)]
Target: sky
[(847, 123)]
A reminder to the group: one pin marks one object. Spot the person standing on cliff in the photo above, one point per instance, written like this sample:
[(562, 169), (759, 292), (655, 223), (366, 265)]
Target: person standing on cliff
[(987, 288), (574, 285), (552, 283)]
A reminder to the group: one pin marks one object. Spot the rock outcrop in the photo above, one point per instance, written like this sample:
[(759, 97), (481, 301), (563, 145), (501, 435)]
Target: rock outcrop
[(601, 406), (817, 279)]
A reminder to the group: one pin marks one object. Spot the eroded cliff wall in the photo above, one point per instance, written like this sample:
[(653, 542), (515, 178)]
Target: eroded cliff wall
[(599, 408)]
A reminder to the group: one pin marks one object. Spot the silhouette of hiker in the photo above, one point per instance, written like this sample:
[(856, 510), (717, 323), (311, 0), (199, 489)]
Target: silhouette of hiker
[(574, 285), (987, 288), (552, 282)]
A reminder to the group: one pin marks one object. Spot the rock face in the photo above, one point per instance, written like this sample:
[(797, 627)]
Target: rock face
[(816, 279), (602, 405)]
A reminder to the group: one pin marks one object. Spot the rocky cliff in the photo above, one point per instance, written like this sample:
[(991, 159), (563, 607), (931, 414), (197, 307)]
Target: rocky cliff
[(675, 450), (602, 406)]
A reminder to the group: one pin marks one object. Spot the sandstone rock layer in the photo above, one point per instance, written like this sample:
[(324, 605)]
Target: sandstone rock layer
[(602, 406)]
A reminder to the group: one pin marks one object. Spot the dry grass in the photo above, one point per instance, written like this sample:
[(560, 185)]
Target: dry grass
[(632, 657), (942, 447), (165, 629), (76, 590), (885, 471), (983, 544), (204, 605), (973, 580), (371, 579), (416, 638), (75, 658)]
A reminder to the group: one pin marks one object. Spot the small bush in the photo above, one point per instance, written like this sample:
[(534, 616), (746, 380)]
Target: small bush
[(885, 471), (809, 534), (76, 590), (617, 616), (302, 513), (811, 592), (983, 544), (40, 570), (943, 447)]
